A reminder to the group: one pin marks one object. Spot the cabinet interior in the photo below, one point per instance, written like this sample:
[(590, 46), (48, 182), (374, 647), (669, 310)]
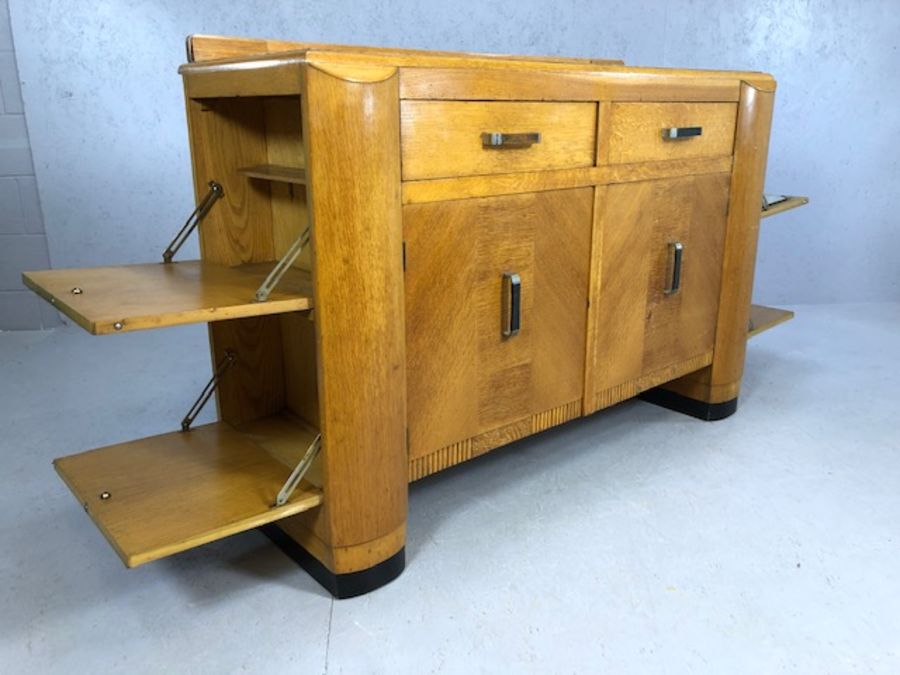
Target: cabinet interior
[(157, 496)]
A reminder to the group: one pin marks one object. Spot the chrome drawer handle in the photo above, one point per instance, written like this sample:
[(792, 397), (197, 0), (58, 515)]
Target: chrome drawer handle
[(677, 251), (497, 140), (677, 133), (511, 310)]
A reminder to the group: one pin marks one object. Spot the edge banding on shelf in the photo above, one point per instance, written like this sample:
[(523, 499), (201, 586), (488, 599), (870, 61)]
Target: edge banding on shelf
[(775, 204), (155, 295), (276, 172), (763, 318), (160, 495)]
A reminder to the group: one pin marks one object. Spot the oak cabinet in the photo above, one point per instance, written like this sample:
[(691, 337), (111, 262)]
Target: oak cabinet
[(465, 378), (411, 258)]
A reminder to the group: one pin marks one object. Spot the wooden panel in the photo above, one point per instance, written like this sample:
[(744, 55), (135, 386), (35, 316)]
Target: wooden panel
[(763, 318), (353, 142), (253, 77), (155, 295), (681, 325), (276, 172), (444, 138), (636, 328), (621, 266), (470, 448), (442, 189), (636, 131), (786, 205), (464, 377), (299, 348), (617, 84), (287, 158), (285, 437), (176, 491), (209, 47), (721, 381), (254, 386), (226, 134), (631, 388)]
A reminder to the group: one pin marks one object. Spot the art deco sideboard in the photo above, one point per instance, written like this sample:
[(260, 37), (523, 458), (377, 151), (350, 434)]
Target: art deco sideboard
[(411, 258)]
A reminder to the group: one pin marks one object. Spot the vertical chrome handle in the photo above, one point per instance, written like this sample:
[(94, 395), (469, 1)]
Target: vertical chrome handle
[(676, 133), (677, 251), (511, 310)]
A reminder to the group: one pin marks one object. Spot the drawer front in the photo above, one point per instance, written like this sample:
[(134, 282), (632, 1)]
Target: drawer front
[(441, 139), (641, 132)]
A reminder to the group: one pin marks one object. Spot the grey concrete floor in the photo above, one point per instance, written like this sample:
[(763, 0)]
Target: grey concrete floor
[(634, 541)]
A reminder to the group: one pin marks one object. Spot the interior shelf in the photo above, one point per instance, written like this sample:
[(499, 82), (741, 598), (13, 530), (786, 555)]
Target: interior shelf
[(161, 495), (105, 300), (781, 203), (276, 172), (763, 318)]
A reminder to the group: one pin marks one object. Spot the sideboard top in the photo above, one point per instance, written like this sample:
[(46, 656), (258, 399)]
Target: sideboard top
[(204, 48)]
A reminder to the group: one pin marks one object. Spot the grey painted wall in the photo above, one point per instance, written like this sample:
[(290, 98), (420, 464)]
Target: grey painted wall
[(106, 115), (23, 244)]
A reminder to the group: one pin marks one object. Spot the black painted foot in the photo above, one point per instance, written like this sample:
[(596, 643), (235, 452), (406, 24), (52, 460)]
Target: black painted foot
[(339, 585), (708, 412)]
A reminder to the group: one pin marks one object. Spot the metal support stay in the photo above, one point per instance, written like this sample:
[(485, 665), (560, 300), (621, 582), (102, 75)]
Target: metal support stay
[(214, 194), (282, 266), (221, 367), (299, 471)]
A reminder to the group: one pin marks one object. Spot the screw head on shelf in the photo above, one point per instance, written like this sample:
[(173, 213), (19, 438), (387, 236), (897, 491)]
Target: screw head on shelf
[(77, 291), (105, 495), (118, 325)]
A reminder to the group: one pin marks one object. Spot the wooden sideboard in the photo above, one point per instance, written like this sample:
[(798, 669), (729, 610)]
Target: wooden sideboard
[(410, 258)]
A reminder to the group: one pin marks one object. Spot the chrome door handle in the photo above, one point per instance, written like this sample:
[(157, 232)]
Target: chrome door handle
[(497, 140), (511, 307), (677, 133), (676, 249)]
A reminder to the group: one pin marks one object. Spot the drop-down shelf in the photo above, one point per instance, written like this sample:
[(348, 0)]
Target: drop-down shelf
[(784, 203), (276, 172), (763, 318), (158, 496), (105, 300)]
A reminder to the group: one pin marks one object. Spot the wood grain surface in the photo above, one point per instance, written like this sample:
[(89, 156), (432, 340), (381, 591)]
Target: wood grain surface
[(763, 318), (155, 295), (637, 328), (636, 131), (176, 491), (464, 378), (443, 138)]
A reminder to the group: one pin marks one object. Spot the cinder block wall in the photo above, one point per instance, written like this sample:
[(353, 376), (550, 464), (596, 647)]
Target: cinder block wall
[(23, 244)]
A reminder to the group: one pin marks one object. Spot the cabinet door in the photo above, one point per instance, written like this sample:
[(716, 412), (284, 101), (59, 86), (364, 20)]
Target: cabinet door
[(465, 378), (644, 331)]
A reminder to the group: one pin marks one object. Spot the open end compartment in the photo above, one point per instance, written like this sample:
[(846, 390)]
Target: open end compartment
[(253, 148), (157, 496)]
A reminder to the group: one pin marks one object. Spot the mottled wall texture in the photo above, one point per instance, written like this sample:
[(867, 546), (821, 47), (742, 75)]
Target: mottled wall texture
[(23, 244), (106, 116)]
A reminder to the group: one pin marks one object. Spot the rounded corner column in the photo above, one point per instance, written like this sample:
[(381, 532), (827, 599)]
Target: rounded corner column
[(712, 393), (351, 131)]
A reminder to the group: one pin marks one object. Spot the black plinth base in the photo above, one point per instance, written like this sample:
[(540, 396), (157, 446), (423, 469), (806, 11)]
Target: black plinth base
[(708, 412), (339, 585)]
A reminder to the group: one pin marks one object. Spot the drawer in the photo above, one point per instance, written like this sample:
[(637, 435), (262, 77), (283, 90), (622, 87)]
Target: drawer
[(441, 139), (639, 132)]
